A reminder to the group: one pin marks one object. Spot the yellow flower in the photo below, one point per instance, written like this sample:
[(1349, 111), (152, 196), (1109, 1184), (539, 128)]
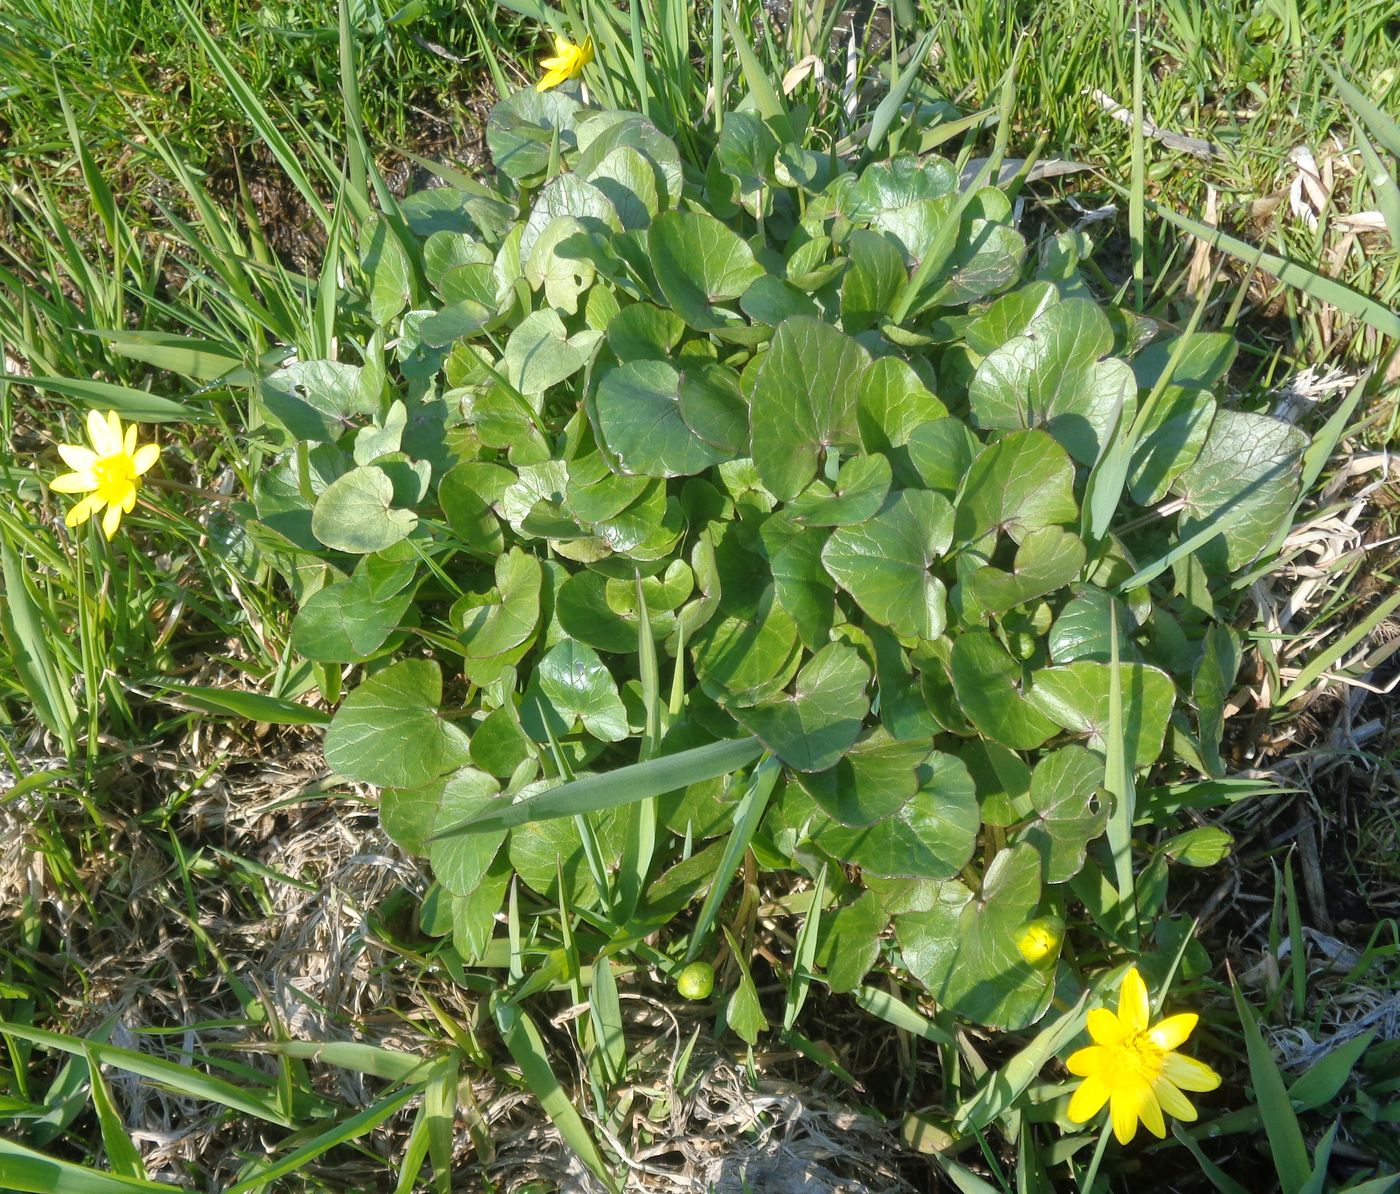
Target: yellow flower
[(109, 472), (1039, 939), (568, 62), (1135, 1068)]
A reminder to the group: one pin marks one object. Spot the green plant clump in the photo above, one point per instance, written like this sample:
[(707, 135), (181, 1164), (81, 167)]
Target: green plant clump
[(784, 512)]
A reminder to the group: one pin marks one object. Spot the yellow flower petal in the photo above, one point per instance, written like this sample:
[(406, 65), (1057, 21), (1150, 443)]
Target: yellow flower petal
[(100, 435), (114, 430), (145, 457), (1188, 1073), (73, 483), (1104, 1027), (128, 502), (552, 79), (76, 457), (111, 520), (1088, 1100), (1133, 1007), (1150, 1112), (1173, 1102), (1087, 1061), (1173, 1031), (129, 443), (563, 47), (83, 510), (1123, 1111), (562, 62)]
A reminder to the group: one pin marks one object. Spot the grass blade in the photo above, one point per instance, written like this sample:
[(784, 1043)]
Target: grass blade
[(184, 1079), (1280, 1123), (901, 1015), (351, 1129), (133, 405), (1290, 272), (804, 954), (34, 1173), (251, 706), (116, 1140), (21, 626), (1324, 660), (890, 106), (523, 1041), (640, 781), (747, 814)]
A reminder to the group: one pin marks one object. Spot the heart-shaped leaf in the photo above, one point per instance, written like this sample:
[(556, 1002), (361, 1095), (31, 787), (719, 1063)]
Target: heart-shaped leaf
[(388, 732), (1070, 811), (987, 682), (860, 490), (639, 417), (509, 619), (1055, 375), (1076, 696), (357, 513), (743, 659), (964, 949), (539, 354), (571, 684), (930, 837), (884, 563), (1021, 482), (804, 402), (874, 780), (892, 403), (1243, 483), (700, 262), (1047, 559), (811, 729)]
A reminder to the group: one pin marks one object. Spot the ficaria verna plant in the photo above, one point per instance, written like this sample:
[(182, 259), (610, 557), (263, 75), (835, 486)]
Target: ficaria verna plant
[(785, 513)]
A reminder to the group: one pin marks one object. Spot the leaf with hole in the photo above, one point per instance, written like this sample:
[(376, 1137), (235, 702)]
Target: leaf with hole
[(1071, 810)]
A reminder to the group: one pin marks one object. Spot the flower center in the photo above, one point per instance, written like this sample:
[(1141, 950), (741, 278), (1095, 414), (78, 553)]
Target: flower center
[(1136, 1058), (116, 477)]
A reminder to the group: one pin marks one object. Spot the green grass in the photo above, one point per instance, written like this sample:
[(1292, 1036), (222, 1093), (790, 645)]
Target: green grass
[(108, 223)]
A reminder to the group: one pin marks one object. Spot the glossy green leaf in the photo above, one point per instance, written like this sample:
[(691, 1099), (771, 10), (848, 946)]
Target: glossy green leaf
[(389, 732), (814, 726), (804, 402), (358, 513), (964, 949), (1023, 481), (1070, 811), (988, 683), (1056, 375), (884, 563), (700, 262), (1076, 696)]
